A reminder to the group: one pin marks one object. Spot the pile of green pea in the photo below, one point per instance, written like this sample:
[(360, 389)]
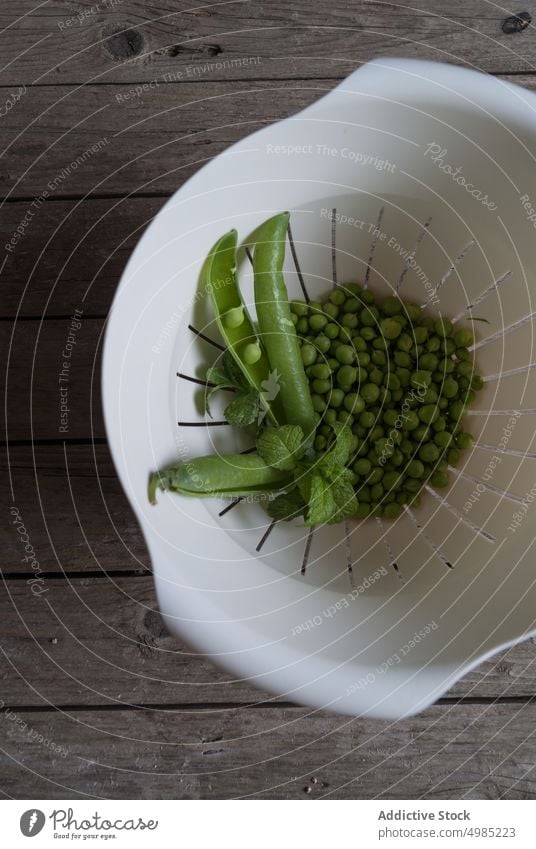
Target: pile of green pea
[(399, 379)]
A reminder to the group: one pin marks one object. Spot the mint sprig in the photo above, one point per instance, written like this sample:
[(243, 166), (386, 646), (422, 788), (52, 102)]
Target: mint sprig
[(322, 490), (243, 410)]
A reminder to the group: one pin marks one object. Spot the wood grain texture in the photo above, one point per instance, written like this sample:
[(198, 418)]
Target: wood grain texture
[(130, 41), (33, 352), (480, 752), (73, 508), (73, 257), (101, 641), (147, 144)]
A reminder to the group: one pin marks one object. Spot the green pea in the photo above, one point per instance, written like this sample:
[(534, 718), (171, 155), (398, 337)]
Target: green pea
[(363, 494), (320, 443), (464, 440), (429, 362), (420, 378), (375, 475), (440, 424), (368, 333), (352, 305), (392, 480), (378, 357), (402, 359), (336, 398), (321, 386), (319, 404), (406, 446), (354, 403), (363, 358), (477, 382), (330, 417), (331, 310), (376, 376), (404, 343), (429, 452), (443, 438), (370, 393), (359, 344), (420, 335), (322, 344), (428, 413), (463, 338), (252, 353), (433, 344), (376, 433), (390, 328), (376, 491), (410, 420), (362, 466), (337, 296), (331, 330), (391, 306), (369, 317), (439, 479), (453, 456), (345, 354), (299, 308), (456, 410), (421, 433), (346, 376), (413, 484), (317, 322), (349, 320), (362, 511), (390, 417), (415, 469), (392, 511), (384, 448), (308, 354), (367, 419), (302, 326), (463, 354)]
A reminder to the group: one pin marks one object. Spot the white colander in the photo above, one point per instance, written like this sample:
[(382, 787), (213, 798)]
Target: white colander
[(409, 176)]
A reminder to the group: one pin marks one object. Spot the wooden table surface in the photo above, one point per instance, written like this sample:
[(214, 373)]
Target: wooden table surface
[(96, 699)]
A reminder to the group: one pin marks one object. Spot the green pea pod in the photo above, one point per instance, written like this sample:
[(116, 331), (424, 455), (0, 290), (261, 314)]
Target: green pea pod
[(275, 324), (213, 475), (219, 279)]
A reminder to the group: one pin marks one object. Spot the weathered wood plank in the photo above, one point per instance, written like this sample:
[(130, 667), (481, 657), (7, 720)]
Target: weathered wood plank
[(34, 352), (95, 641), (73, 257), (124, 40), (73, 508), (146, 144), (480, 752)]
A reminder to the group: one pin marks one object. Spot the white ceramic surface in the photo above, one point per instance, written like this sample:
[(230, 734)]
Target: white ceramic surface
[(384, 138)]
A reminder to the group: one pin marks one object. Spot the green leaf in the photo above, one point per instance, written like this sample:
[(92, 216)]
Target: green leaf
[(243, 410), (219, 377), (344, 496), (233, 371), (320, 504), (337, 456), (288, 506), (281, 447)]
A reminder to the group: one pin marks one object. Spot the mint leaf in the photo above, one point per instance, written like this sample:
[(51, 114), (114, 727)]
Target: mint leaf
[(233, 370), (243, 410), (344, 496), (219, 377), (288, 506), (281, 447), (337, 456), (320, 503)]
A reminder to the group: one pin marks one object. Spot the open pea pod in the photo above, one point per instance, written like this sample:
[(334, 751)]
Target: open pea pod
[(219, 278), (213, 476)]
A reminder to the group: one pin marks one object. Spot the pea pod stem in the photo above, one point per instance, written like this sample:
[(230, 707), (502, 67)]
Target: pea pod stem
[(275, 324), (213, 476), (219, 278)]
